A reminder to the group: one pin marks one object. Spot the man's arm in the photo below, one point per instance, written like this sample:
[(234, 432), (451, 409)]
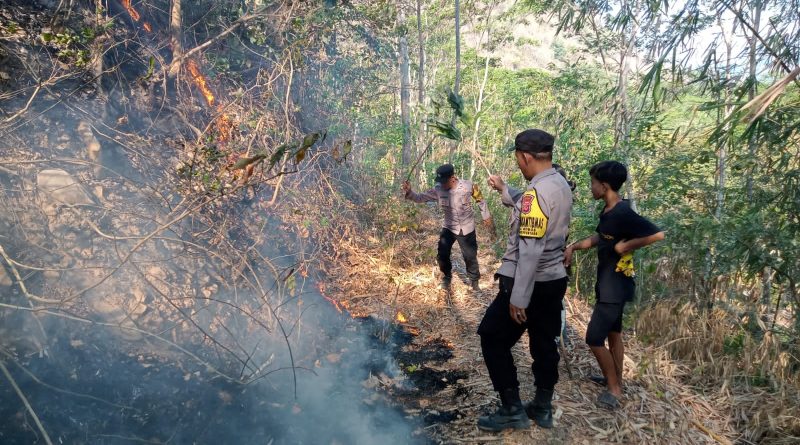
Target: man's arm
[(630, 245), (586, 243), (532, 237), (427, 196), (508, 195)]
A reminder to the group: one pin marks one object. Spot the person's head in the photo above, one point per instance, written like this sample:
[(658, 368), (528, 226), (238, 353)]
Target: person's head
[(533, 149), (607, 176), (563, 173), (445, 175)]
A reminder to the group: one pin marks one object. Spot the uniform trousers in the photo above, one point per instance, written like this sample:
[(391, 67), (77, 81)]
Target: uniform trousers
[(499, 333), (469, 249)]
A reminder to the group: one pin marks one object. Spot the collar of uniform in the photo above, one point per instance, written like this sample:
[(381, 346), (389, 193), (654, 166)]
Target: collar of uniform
[(550, 171)]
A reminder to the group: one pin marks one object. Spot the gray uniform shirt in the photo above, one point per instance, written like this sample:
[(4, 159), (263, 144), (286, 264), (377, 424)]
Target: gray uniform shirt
[(530, 257), (456, 203)]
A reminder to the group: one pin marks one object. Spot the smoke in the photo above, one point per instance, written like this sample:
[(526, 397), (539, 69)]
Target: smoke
[(139, 309)]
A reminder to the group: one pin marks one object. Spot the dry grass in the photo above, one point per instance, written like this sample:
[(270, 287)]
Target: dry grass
[(680, 384)]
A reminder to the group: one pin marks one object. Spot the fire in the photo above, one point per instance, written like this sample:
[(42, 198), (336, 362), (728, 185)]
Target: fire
[(224, 126), (200, 81), (401, 318), (131, 10), (340, 306), (147, 27)]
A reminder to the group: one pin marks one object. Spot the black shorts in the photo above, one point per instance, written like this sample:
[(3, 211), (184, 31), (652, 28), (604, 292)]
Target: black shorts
[(606, 318)]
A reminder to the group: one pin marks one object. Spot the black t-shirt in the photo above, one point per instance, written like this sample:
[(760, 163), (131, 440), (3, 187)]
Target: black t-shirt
[(615, 283)]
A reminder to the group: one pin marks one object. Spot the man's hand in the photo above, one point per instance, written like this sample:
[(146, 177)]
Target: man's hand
[(568, 255), (406, 186), (621, 247), (496, 182), (517, 314)]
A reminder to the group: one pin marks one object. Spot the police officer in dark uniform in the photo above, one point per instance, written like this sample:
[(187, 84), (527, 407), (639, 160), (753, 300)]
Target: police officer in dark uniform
[(533, 281)]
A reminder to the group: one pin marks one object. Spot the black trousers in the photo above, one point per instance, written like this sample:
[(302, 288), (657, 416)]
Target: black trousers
[(469, 248), (499, 333)]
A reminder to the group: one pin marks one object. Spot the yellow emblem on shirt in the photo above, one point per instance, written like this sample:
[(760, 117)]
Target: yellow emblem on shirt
[(532, 220), (625, 265)]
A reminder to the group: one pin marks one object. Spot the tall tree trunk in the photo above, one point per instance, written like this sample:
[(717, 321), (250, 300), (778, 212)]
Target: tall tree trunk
[(405, 90), (457, 85), (752, 40), (623, 118), (479, 103), (422, 115), (757, 7), (175, 40)]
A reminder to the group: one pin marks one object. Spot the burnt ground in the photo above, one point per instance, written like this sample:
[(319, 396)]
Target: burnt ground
[(445, 385)]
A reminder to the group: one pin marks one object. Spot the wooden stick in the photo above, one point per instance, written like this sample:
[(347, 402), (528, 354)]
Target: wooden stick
[(712, 434), (419, 158), (25, 402)]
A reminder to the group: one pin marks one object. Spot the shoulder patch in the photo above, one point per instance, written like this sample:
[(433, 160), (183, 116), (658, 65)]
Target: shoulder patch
[(532, 220)]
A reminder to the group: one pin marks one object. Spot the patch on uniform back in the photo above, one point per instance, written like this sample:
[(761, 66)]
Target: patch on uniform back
[(532, 220)]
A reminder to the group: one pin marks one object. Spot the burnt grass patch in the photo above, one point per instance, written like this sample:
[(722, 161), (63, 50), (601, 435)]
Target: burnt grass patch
[(395, 342)]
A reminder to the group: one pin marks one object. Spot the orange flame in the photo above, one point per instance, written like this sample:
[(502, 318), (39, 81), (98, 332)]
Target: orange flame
[(401, 318), (147, 27), (224, 126), (131, 10), (200, 81), (340, 306)]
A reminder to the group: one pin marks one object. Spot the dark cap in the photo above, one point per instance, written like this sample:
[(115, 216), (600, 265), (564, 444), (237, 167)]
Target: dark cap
[(444, 172), (534, 141)]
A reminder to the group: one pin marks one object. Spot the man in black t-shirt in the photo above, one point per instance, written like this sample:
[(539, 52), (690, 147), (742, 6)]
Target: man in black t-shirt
[(620, 231)]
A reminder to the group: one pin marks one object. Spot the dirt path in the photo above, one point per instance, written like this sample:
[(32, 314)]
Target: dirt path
[(395, 277)]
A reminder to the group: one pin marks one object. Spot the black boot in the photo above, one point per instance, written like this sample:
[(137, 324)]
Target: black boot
[(510, 415), (541, 409)]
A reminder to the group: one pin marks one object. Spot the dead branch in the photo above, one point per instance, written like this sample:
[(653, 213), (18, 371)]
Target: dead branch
[(26, 403), (175, 65)]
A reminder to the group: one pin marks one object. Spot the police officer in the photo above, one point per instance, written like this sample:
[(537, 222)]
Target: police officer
[(533, 282), (455, 196)]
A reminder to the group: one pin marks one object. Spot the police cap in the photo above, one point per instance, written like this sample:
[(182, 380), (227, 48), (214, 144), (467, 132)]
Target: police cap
[(444, 172), (534, 141)]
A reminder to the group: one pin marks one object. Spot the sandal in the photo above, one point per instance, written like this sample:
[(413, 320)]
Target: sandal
[(598, 380), (608, 401)]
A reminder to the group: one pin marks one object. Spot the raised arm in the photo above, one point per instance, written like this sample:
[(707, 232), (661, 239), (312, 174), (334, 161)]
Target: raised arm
[(508, 195), (426, 196)]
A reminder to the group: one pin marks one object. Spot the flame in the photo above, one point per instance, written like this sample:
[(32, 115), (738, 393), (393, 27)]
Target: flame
[(147, 27), (340, 306), (401, 318), (131, 10), (201, 82), (224, 126)]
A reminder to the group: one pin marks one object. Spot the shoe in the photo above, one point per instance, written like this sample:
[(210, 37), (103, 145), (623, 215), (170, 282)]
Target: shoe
[(445, 283), (510, 415), (475, 286), (541, 409), (608, 401), (598, 380)]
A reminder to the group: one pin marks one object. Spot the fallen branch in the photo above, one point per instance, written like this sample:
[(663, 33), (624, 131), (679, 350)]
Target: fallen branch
[(711, 434), (25, 402)]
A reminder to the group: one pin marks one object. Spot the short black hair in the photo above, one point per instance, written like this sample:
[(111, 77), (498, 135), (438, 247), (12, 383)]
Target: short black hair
[(612, 173)]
